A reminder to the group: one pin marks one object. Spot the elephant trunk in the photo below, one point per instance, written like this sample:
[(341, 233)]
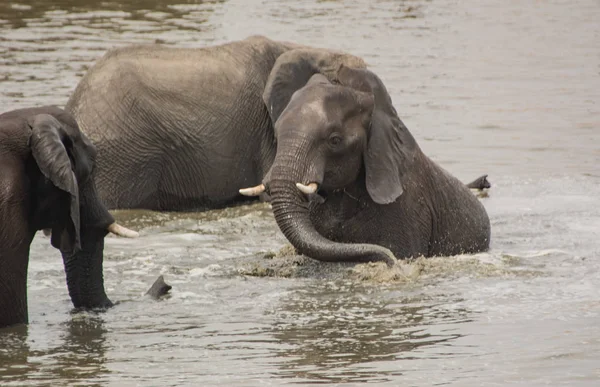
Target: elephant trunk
[(85, 279), (291, 211)]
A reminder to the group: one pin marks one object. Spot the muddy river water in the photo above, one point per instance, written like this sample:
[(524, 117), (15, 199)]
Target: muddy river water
[(510, 88)]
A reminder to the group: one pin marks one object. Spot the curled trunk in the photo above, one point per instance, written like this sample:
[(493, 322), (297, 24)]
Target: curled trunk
[(291, 211)]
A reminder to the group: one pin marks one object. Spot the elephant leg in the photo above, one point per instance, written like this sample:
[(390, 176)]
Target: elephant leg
[(15, 238), (13, 287)]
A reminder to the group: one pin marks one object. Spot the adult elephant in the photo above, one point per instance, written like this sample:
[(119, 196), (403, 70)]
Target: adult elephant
[(349, 182), (180, 128), (46, 182), (183, 129)]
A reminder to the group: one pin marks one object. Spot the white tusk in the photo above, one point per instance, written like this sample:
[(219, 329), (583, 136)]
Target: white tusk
[(307, 189), (122, 231), (253, 191)]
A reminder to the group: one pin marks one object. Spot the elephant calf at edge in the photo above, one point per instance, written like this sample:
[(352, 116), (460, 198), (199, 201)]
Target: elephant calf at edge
[(46, 182), (349, 182)]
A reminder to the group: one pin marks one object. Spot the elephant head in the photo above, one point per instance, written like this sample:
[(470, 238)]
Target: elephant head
[(51, 186), (334, 125)]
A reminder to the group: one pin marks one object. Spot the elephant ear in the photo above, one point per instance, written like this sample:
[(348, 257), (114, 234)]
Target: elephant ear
[(47, 143), (390, 146), (293, 69)]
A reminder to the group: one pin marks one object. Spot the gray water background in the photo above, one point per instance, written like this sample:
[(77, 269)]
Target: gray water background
[(504, 87)]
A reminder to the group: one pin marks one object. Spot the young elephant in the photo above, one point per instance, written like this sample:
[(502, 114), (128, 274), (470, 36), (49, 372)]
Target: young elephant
[(339, 140), (46, 182)]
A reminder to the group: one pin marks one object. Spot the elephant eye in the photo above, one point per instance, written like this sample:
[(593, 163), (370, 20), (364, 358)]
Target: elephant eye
[(335, 139)]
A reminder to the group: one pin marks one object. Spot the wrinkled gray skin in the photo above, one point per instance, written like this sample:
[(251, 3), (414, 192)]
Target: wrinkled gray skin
[(46, 182), (181, 129), (178, 128), (379, 195)]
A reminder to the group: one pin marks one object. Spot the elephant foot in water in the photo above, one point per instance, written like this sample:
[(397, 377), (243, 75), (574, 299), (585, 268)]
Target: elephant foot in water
[(480, 183), (159, 288)]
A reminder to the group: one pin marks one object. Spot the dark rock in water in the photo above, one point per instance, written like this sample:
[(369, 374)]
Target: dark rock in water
[(159, 288), (480, 183)]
